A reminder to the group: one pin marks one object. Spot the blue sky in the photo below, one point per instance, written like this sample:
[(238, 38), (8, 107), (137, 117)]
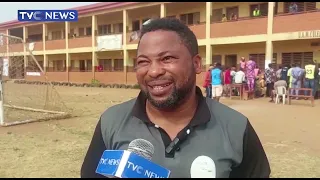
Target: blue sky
[(9, 10)]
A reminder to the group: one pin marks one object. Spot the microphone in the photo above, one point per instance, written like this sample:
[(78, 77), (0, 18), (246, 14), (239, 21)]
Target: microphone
[(132, 163), (141, 147), (203, 167)]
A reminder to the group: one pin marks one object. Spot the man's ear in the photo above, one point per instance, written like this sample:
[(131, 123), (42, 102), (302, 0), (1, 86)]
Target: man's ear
[(197, 63)]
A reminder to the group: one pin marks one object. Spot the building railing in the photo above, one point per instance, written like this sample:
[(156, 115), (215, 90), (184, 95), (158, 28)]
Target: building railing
[(296, 13), (239, 19)]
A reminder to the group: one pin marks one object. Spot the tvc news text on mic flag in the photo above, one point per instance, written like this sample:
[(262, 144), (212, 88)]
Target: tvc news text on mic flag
[(125, 164)]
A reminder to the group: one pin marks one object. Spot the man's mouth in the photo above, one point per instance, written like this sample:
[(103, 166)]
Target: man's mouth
[(160, 87)]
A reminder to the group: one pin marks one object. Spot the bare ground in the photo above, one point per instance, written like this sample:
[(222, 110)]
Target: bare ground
[(290, 134)]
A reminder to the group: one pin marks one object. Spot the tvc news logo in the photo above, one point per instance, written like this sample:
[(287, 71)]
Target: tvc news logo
[(48, 15)]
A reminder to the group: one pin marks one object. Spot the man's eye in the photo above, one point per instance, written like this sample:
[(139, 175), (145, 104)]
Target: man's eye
[(140, 62), (168, 58)]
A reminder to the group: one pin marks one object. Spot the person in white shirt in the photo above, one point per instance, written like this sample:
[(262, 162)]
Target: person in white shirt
[(239, 77), (233, 73)]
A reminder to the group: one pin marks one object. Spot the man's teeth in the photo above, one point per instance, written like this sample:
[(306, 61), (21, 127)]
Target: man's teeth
[(159, 87)]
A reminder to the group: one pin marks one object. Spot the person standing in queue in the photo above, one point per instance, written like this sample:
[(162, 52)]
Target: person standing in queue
[(207, 82), (171, 105), (217, 82)]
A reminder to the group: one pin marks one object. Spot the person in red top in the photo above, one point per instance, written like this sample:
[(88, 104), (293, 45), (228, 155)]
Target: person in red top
[(227, 80), (207, 82)]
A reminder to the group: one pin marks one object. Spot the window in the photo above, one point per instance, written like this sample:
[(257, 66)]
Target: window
[(89, 65), (118, 65), (72, 31), (118, 28), (63, 34), (191, 18), (216, 15), (81, 31), (33, 67), (35, 37), (106, 64), (263, 7), (260, 60), (216, 58), (134, 60), (41, 63), (301, 58), (276, 7), (310, 6), (58, 65), (72, 66), (136, 25), (104, 29), (302, 6), (82, 65), (232, 11), (55, 35), (89, 31), (72, 34), (231, 60)]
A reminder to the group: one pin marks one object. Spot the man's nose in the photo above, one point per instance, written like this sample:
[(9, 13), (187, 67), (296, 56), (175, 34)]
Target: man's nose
[(156, 70)]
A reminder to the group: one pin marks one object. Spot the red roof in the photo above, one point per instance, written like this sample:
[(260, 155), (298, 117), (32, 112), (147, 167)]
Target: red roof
[(81, 11)]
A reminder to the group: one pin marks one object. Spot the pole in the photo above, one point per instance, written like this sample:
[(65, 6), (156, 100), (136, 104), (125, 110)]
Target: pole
[(1, 104)]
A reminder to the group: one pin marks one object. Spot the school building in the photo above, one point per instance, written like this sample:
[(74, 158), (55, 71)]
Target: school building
[(102, 44)]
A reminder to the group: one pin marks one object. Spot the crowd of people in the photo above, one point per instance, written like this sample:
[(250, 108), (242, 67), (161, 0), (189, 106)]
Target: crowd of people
[(260, 82)]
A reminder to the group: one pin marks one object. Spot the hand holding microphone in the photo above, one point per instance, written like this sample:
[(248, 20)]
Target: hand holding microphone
[(132, 163)]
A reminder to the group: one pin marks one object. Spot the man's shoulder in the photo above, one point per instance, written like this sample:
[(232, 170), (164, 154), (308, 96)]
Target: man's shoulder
[(226, 116), (115, 113)]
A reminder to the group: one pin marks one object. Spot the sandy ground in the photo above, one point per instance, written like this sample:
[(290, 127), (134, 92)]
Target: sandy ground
[(290, 134)]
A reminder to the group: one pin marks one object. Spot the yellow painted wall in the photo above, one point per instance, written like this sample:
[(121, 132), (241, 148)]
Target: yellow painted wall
[(82, 23), (280, 7), (55, 27), (111, 18), (52, 58), (241, 50), (38, 58), (244, 7), (132, 54), (110, 55), (296, 46), (56, 57), (142, 13), (202, 52), (187, 7), (31, 30), (80, 56)]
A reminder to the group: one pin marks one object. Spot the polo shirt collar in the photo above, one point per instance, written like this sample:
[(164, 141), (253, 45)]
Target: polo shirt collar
[(201, 116)]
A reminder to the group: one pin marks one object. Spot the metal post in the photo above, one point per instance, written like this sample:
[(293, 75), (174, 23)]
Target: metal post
[(1, 104)]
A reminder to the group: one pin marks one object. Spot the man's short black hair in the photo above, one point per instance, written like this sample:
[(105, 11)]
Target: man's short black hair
[(175, 25)]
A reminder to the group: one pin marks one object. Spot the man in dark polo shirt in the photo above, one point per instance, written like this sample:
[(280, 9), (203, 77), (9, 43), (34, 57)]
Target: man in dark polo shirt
[(170, 105)]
